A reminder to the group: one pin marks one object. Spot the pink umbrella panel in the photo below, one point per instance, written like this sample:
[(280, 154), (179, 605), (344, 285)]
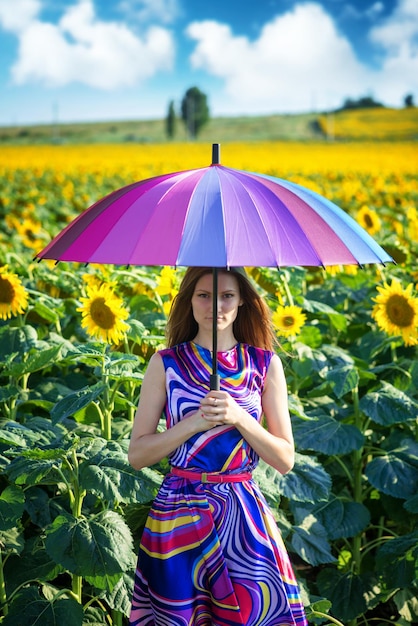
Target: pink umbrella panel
[(215, 217)]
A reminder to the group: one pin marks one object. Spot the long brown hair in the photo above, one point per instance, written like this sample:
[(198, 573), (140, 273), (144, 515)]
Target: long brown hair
[(252, 324)]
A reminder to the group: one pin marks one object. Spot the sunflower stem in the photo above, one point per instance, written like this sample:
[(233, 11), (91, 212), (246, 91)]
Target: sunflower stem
[(287, 290), (3, 596)]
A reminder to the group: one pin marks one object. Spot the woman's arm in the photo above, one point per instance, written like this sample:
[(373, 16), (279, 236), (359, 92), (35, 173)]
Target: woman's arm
[(274, 445), (147, 446)]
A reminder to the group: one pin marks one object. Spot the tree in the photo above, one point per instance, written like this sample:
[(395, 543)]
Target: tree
[(365, 102), (194, 111), (409, 100), (170, 121)]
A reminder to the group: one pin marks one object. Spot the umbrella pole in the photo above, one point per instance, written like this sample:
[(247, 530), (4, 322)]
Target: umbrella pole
[(214, 378)]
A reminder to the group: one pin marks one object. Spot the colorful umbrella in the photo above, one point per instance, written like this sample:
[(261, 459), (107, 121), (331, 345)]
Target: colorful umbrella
[(215, 217)]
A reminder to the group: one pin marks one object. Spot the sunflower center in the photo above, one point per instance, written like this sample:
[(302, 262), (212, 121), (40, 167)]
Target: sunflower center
[(288, 321), (399, 311), (101, 314), (368, 220), (7, 292)]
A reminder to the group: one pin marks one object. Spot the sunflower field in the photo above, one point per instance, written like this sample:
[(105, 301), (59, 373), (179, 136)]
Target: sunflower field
[(74, 344)]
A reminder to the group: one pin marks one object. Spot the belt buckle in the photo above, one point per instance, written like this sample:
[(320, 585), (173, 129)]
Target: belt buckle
[(204, 477)]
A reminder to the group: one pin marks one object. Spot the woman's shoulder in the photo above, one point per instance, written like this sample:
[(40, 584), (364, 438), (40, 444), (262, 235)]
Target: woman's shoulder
[(174, 350), (258, 352)]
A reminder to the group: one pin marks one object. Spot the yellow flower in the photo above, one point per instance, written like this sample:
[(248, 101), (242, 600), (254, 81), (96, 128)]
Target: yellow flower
[(13, 295), (334, 270), (103, 314), (396, 311), (369, 219), (412, 215), (166, 282), (288, 320), (167, 286)]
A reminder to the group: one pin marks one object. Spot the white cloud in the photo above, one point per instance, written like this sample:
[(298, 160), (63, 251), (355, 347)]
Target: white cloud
[(299, 57), (165, 11), (16, 16), (82, 48), (400, 28), (366, 12), (398, 38)]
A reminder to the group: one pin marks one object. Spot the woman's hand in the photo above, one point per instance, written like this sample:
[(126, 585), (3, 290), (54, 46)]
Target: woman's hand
[(218, 407)]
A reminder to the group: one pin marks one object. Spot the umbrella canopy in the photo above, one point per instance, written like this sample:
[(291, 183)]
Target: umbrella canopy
[(215, 217)]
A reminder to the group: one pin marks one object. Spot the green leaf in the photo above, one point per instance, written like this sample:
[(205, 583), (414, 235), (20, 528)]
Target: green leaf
[(47, 313), (396, 472), (343, 379), (34, 362), (17, 340), (7, 392), (76, 401), (388, 405), (37, 505), (41, 468), (309, 360), (339, 517), (99, 548), (33, 563), (109, 476), (12, 503), (406, 601), (411, 505), (397, 559), (338, 321), (30, 609), (310, 542), (12, 541), (120, 597), (10, 438), (307, 482), (345, 590), (325, 434)]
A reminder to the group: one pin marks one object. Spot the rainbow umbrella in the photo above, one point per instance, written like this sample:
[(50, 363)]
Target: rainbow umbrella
[(215, 217)]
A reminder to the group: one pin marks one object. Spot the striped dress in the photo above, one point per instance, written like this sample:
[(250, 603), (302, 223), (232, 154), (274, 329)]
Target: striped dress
[(211, 553)]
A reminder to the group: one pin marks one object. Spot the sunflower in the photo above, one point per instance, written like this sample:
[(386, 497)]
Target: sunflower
[(334, 270), (166, 282), (13, 295), (103, 314), (412, 216), (288, 320), (369, 219), (167, 286), (396, 311)]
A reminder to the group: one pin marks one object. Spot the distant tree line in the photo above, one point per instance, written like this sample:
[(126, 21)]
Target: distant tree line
[(368, 102), (193, 112)]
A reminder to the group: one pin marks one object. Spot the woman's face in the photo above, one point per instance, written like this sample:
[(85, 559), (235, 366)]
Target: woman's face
[(229, 299)]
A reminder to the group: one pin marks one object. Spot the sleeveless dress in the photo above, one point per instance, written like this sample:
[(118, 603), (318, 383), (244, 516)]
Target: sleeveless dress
[(211, 553)]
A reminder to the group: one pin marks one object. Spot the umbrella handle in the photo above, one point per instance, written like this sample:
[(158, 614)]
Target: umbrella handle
[(214, 378)]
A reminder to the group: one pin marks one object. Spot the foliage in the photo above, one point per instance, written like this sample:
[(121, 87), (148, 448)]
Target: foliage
[(194, 111), (365, 102), (170, 121), (71, 507)]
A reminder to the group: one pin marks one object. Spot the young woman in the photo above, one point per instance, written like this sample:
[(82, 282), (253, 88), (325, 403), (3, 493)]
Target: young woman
[(211, 553)]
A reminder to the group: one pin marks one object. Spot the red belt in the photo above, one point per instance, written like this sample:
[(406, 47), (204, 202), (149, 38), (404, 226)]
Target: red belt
[(205, 477)]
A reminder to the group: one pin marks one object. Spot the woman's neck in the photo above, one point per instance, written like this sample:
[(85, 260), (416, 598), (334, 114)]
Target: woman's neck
[(224, 343)]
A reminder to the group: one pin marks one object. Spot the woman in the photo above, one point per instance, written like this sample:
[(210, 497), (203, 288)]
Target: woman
[(211, 553)]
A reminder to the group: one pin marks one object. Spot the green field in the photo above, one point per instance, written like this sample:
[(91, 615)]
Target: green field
[(378, 124)]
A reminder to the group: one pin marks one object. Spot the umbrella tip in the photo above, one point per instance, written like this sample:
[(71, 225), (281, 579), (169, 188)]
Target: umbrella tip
[(216, 153)]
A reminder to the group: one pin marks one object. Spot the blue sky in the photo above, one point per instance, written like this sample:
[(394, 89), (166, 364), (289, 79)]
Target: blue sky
[(87, 60)]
